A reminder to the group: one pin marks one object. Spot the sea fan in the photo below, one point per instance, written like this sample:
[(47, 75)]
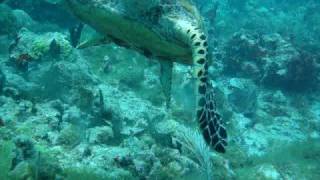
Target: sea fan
[(193, 143)]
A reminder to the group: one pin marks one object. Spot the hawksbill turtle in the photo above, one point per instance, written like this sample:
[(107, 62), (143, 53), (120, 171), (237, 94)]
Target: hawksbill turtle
[(171, 31)]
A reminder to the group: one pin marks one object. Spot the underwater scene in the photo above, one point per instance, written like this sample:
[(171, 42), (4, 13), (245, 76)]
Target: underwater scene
[(159, 89)]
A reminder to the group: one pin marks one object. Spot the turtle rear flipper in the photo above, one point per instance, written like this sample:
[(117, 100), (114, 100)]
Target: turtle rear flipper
[(207, 116)]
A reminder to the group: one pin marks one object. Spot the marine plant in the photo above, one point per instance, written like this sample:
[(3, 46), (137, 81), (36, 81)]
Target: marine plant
[(194, 145), (299, 160), (36, 169), (82, 174), (70, 135), (305, 162), (45, 45), (6, 157), (45, 165)]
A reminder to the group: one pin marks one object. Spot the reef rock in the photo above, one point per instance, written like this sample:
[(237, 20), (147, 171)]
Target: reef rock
[(242, 96), (130, 114), (272, 60), (8, 20), (24, 20), (99, 135), (31, 46), (267, 172)]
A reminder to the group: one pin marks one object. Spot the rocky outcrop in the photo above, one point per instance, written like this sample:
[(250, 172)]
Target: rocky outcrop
[(271, 61)]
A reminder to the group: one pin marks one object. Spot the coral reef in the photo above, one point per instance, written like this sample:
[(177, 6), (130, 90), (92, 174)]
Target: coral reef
[(37, 47), (273, 61)]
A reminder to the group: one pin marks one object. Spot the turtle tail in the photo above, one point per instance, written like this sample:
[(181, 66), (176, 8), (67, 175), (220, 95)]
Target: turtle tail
[(207, 116)]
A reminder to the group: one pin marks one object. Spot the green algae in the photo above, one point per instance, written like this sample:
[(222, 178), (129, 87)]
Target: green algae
[(299, 160), (6, 157)]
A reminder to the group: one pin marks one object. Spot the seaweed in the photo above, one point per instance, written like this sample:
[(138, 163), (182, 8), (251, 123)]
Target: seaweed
[(6, 157), (299, 160), (195, 145), (82, 174)]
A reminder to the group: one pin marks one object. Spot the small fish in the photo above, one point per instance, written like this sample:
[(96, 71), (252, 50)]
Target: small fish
[(75, 34), (1, 122), (55, 49)]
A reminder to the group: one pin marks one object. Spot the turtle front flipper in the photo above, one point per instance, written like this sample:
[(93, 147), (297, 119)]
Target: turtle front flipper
[(209, 119), (97, 40), (166, 79)]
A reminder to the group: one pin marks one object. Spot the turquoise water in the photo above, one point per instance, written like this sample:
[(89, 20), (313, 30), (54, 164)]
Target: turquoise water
[(87, 94)]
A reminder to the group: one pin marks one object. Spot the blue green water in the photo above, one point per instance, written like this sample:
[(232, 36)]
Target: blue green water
[(101, 111)]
